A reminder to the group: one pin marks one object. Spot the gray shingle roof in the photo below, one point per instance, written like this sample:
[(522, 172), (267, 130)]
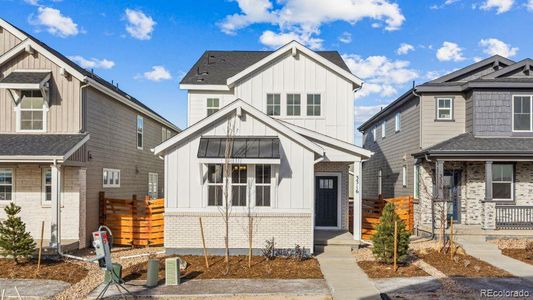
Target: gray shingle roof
[(468, 144), (38, 144), (243, 147), (25, 77), (215, 67)]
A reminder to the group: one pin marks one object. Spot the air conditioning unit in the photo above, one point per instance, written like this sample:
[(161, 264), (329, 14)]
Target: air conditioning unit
[(172, 271)]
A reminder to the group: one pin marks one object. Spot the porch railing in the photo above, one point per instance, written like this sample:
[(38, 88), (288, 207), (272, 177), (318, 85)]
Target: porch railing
[(514, 217)]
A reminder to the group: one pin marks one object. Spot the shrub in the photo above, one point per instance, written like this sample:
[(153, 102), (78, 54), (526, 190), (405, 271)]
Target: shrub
[(383, 239), (269, 251), (300, 253), (529, 250), (15, 241)]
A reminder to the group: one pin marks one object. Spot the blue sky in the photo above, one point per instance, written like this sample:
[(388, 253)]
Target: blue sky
[(147, 46)]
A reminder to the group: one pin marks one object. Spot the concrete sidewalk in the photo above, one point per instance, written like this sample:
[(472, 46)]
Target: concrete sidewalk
[(478, 247), (344, 277), (31, 288)]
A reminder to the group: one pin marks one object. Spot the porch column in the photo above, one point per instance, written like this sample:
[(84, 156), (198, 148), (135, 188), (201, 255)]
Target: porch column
[(488, 180), (439, 175), (55, 225), (357, 200)]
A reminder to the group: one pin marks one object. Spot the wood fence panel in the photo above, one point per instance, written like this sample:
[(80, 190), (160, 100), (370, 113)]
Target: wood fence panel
[(133, 222), (372, 209)]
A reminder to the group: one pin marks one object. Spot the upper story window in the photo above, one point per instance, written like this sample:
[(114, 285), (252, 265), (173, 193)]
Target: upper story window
[(502, 181), (444, 108), (140, 132), (375, 133), (383, 129), (397, 122), (313, 104), (213, 105), (522, 120), (31, 112), (273, 104), (165, 134), (293, 104), (6, 184)]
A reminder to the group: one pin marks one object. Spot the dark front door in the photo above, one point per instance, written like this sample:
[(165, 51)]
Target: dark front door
[(452, 194), (326, 201)]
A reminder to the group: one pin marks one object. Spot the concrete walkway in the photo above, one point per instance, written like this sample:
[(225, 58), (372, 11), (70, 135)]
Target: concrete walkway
[(478, 247), (344, 277), (31, 288)]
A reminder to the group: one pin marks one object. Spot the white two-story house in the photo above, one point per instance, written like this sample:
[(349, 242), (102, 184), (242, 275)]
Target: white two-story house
[(291, 118)]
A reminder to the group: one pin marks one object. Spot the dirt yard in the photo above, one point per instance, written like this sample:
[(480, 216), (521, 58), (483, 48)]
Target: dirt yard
[(519, 254), (461, 265), (55, 270), (375, 269), (279, 268)]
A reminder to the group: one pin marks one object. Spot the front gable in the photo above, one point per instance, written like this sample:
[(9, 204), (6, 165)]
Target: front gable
[(7, 40)]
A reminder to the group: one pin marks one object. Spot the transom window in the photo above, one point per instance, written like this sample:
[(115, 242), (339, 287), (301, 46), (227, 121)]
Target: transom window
[(47, 185), (214, 185), (326, 184), (293, 104), (6, 184), (111, 178), (263, 174), (502, 181), (213, 104), (522, 120), (140, 132), (313, 104), (444, 108), (238, 184), (273, 104), (32, 111)]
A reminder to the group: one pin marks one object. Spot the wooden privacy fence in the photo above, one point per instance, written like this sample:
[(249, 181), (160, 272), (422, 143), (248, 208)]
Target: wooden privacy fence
[(372, 209), (133, 222)]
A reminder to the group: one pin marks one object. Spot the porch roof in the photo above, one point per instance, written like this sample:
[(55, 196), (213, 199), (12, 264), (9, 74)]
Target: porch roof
[(25, 80), (40, 147), (469, 145)]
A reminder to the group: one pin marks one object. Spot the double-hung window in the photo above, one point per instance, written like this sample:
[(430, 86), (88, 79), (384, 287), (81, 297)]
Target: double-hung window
[(165, 134), (522, 113), (293, 104), (213, 104), (140, 132), (262, 185), (313, 105), (404, 176), (153, 183), (383, 129), (32, 111), (273, 104), (239, 185), (111, 178), (380, 181), (444, 108), (397, 122), (502, 181), (416, 174), (47, 186), (215, 181), (6, 184), (375, 133)]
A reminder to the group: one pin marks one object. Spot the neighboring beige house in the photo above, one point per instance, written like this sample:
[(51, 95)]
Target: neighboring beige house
[(65, 135), (462, 143), (293, 110)]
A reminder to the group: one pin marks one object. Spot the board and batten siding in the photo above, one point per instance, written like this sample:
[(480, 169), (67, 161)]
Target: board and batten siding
[(65, 109), (113, 145), (433, 131), (289, 74), (187, 192), (7, 41), (393, 152)]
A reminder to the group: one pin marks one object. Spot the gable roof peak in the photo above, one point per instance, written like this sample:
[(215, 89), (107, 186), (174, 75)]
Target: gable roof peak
[(496, 61)]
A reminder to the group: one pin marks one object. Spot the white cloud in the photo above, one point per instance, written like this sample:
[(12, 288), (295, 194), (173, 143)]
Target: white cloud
[(450, 52), (404, 49), (157, 73), (382, 75), (55, 23), (494, 46), (32, 2), (346, 37), (276, 40), (93, 62), (363, 113), (303, 18), (443, 5), (140, 26), (501, 6), (529, 5)]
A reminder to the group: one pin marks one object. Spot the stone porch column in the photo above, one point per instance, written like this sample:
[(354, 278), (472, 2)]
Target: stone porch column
[(55, 226), (488, 215)]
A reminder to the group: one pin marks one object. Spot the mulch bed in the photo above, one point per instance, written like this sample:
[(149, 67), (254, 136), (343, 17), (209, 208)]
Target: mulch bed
[(519, 254), (376, 269), (279, 268), (462, 266), (53, 270)]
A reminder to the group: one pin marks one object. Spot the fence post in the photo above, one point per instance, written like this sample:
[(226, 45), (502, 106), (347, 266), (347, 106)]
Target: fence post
[(102, 207), (133, 212), (148, 216)]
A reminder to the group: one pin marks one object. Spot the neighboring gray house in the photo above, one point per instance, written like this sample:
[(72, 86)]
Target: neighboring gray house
[(294, 111), (464, 140), (65, 135)]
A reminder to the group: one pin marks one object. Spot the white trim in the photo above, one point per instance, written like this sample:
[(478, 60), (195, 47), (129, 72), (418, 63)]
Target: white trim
[(404, 175), (44, 110), (14, 31), (383, 129), (76, 147), (113, 184), (233, 106), (261, 161), (205, 87), (530, 113), (13, 51), (339, 199), (444, 108), (293, 46)]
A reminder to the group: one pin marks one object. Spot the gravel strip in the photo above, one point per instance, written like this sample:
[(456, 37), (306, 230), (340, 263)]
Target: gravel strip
[(511, 243)]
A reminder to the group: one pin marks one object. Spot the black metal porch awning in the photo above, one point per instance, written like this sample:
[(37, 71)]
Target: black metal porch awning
[(242, 147)]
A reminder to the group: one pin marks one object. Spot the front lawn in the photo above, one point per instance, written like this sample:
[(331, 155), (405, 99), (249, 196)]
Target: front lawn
[(278, 268)]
